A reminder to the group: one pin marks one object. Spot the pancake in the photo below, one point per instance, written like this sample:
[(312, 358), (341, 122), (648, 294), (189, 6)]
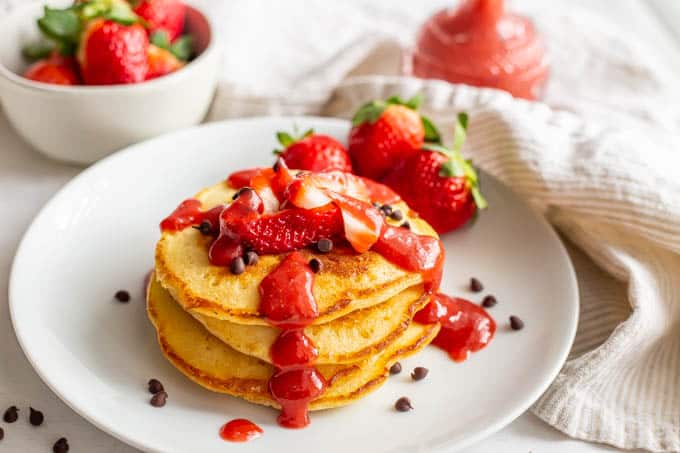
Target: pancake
[(212, 364), (349, 281), (348, 339)]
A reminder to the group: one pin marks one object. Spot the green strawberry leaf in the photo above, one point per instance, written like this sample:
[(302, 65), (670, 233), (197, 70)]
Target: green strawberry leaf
[(61, 25), (285, 139), (431, 133), (37, 51), (92, 10), (415, 102), (183, 47), (460, 131), (369, 112), (159, 38), (121, 12)]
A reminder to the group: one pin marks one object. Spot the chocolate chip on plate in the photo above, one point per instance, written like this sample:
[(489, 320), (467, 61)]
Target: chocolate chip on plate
[(489, 301), (2, 433), (419, 373), (324, 245), (159, 399), (316, 265), (155, 386), (397, 215), (516, 323), (36, 417), (476, 285), (403, 404), (61, 446), (122, 296), (396, 368), (11, 414), (238, 266), (251, 258)]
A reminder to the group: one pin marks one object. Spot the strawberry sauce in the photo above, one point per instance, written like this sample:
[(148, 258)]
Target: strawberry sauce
[(287, 302), (189, 213), (240, 430), (466, 327)]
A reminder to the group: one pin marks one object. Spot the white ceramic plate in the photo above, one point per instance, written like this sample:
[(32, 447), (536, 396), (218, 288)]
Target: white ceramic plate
[(97, 236)]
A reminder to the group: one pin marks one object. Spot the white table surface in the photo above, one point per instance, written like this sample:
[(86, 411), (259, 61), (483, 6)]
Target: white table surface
[(28, 180)]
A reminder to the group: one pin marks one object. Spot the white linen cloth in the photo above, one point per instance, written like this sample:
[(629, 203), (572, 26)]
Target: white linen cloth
[(601, 161)]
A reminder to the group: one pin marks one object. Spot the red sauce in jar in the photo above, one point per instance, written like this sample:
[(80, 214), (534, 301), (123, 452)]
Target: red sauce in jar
[(240, 430), (466, 327), (480, 44), (287, 302)]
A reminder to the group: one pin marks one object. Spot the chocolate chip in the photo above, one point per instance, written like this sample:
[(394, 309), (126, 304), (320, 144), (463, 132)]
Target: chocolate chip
[(276, 166), (36, 417), (238, 266), (386, 210), (489, 301), (516, 323), (406, 225), (159, 399), (316, 265), (403, 404), (155, 386), (61, 446), (396, 368), (476, 285), (122, 296), (419, 373), (11, 414), (250, 258), (2, 433), (205, 228), (324, 245), (397, 215)]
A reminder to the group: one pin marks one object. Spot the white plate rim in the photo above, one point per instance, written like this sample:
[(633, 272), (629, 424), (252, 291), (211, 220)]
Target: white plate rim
[(99, 420)]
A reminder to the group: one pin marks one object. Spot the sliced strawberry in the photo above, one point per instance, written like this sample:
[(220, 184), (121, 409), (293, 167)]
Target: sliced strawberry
[(361, 221)]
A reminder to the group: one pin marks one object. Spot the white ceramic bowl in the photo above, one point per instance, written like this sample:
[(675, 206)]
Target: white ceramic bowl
[(82, 124)]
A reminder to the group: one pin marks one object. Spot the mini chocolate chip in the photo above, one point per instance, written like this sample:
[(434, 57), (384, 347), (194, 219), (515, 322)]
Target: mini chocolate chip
[(238, 266), (476, 285), (155, 386), (122, 296), (419, 373), (324, 245), (516, 323), (316, 265), (61, 446), (489, 301), (36, 417), (276, 166), (2, 433), (250, 258), (11, 414), (406, 225), (396, 368), (403, 404), (386, 210), (205, 228), (397, 215), (159, 399)]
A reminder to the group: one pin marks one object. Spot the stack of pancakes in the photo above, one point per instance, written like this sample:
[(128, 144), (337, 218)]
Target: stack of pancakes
[(210, 329)]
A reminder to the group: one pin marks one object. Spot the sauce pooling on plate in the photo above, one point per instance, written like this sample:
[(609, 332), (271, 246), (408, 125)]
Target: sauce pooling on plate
[(240, 430)]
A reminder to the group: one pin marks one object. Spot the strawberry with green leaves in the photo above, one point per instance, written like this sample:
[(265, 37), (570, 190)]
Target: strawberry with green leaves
[(162, 16), (313, 152), (439, 183), (387, 132), (56, 69)]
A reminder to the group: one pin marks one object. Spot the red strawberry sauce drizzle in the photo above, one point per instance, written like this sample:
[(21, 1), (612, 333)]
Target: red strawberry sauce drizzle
[(240, 430), (287, 301), (466, 327)]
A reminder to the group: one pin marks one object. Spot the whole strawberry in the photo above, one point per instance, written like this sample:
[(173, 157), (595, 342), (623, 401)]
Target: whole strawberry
[(386, 132), (55, 69), (161, 62), (313, 152), (167, 15), (439, 183), (113, 53)]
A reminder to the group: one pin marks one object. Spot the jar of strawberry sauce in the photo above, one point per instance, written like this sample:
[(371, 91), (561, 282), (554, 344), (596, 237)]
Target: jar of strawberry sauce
[(481, 44)]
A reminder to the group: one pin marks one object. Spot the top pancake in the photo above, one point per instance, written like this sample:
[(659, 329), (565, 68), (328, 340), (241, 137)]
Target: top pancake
[(348, 282)]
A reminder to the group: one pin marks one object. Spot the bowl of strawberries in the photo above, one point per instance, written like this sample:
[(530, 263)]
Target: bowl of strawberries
[(80, 79)]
